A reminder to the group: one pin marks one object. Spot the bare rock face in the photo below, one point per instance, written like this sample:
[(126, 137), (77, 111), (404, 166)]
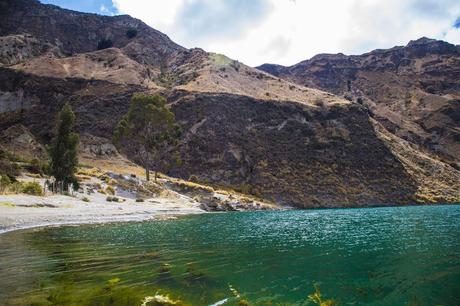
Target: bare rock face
[(15, 49), (96, 146), (254, 132)]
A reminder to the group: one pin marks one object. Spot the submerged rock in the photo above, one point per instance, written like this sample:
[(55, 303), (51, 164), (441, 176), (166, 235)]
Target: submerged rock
[(159, 300)]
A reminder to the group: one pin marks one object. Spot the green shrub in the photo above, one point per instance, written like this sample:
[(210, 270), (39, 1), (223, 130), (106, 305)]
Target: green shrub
[(110, 190), (131, 33), (85, 199), (7, 165), (5, 181), (15, 187), (108, 199), (193, 178), (139, 200), (32, 188), (115, 199)]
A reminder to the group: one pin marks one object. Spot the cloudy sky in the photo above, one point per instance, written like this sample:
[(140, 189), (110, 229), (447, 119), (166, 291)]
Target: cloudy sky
[(287, 31)]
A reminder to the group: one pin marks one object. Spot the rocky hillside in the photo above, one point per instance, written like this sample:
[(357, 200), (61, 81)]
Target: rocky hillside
[(243, 129), (413, 91)]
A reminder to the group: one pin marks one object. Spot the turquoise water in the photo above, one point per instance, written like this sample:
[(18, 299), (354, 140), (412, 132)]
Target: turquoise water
[(373, 256)]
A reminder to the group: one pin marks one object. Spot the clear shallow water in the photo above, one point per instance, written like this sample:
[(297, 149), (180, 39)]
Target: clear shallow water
[(373, 256)]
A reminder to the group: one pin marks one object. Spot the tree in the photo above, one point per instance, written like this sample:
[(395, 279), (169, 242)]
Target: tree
[(104, 43), (150, 129), (63, 149)]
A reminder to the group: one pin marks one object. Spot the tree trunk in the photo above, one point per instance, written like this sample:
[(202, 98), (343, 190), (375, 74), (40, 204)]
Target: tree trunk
[(147, 174), (155, 176)]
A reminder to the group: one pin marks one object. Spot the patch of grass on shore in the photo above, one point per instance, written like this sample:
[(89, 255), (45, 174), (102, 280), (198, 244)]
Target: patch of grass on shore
[(7, 204)]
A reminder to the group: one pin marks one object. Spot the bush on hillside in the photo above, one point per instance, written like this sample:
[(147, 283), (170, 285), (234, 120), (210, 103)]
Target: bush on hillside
[(104, 43), (39, 167), (131, 33), (110, 190), (319, 102), (32, 188)]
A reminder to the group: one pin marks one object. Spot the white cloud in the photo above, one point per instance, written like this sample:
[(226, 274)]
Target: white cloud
[(157, 13), (104, 10), (286, 31)]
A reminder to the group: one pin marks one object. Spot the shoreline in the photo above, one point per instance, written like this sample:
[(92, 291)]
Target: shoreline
[(22, 212), (18, 212), (138, 218)]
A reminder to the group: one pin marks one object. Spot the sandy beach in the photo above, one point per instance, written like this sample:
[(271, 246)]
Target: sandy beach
[(25, 211)]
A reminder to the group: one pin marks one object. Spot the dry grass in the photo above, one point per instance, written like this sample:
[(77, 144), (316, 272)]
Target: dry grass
[(191, 185), (108, 64), (218, 73)]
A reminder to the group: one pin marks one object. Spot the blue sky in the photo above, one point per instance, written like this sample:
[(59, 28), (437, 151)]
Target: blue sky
[(287, 31), (103, 7)]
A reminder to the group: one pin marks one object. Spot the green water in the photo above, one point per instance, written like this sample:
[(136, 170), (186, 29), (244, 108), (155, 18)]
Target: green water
[(374, 256)]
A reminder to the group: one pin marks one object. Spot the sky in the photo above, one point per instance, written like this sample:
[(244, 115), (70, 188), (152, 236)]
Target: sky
[(287, 31)]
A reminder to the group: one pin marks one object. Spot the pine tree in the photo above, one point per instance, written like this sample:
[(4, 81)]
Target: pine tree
[(63, 149), (149, 128)]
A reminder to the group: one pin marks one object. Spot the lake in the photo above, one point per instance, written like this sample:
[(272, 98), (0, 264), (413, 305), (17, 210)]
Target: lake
[(369, 256)]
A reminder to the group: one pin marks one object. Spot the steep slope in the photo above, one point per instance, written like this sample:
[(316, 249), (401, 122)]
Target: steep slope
[(242, 128), (413, 91), (292, 153)]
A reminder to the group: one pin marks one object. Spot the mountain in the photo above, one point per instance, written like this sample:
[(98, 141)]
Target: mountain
[(261, 133), (413, 91)]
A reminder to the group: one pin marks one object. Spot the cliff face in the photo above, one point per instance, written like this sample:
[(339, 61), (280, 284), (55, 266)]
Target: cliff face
[(242, 128), (413, 91), (290, 153)]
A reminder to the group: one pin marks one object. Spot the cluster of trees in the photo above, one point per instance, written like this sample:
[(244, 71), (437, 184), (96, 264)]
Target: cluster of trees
[(149, 128)]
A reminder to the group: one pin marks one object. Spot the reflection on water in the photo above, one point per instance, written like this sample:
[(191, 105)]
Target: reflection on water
[(375, 256)]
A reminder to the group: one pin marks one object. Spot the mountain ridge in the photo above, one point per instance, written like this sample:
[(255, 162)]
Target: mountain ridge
[(425, 82)]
